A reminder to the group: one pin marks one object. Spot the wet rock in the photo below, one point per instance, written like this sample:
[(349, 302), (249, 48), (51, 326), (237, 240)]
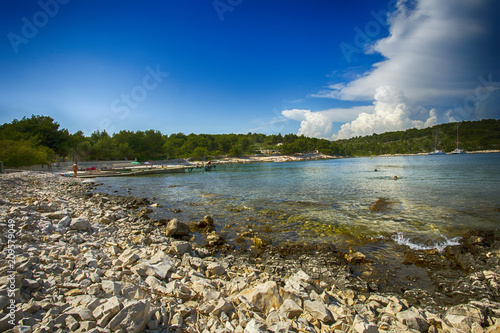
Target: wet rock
[(215, 239), (207, 225), (355, 257), (143, 213), (175, 228), (381, 205)]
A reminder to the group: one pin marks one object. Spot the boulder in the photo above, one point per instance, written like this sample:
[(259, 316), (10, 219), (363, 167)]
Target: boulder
[(175, 228), (464, 316), (128, 257), (255, 326), (300, 283), (182, 247), (65, 221), (81, 312), (104, 312), (132, 318), (413, 319), (362, 325), (319, 311), (111, 287), (80, 224), (290, 309), (467, 310), (161, 269), (223, 306), (264, 296), (55, 215), (214, 268), (157, 286)]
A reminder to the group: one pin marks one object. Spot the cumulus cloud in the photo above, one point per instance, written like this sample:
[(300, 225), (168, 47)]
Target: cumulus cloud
[(392, 112), (319, 124), (442, 55), (434, 52)]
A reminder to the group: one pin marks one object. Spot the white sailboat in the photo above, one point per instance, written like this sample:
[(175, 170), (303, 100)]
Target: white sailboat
[(437, 151), (458, 150)]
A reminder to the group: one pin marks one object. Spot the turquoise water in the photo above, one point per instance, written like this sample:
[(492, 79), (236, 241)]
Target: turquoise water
[(435, 199)]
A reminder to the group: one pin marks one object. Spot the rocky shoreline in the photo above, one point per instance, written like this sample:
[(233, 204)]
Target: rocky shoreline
[(77, 261)]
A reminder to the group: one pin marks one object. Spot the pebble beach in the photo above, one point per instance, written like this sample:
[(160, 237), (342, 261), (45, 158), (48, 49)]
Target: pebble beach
[(73, 260)]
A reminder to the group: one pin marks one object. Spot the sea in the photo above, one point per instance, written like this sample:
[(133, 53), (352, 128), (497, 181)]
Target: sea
[(432, 203)]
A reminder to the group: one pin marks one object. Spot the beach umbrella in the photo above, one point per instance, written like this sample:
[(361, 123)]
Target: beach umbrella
[(147, 163), (135, 163)]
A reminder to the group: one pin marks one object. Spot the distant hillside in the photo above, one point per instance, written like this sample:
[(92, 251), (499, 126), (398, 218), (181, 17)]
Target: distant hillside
[(473, 136), (39, 140)]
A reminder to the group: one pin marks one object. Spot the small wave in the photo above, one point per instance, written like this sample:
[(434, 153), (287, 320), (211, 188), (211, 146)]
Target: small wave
[(400, 239)]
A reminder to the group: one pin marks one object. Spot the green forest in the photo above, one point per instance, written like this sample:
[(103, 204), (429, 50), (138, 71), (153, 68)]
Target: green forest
[(40, 140)]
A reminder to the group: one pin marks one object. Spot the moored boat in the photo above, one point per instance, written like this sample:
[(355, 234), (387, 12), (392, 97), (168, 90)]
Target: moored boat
[(458, 150), (437, 151)]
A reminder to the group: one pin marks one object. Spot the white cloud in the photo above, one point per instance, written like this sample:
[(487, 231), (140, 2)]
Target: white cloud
[(392, 112), (434, 53), (319, 124), (441, 54)]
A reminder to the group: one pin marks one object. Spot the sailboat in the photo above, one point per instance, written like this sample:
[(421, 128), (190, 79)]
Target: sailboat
[(458, 150), (437, 151)]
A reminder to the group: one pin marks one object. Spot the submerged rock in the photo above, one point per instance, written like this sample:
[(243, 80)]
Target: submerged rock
[(382, 205)]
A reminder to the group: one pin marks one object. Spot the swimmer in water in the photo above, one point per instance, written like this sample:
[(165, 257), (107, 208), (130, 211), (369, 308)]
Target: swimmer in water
[(395, 178)]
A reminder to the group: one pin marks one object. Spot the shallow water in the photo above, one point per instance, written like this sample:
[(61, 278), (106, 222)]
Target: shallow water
[(434, 200)]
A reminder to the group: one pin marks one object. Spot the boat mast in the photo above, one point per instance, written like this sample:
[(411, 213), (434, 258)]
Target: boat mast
[(457, 136)]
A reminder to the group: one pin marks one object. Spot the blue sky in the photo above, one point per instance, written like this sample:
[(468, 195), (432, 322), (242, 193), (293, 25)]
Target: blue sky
[(329, 69)]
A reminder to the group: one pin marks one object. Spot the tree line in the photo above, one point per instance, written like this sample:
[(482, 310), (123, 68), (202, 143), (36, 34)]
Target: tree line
[(472, 136), (40, 140)]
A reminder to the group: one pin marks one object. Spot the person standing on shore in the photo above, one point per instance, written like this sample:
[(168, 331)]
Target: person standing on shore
[(75, 169)]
